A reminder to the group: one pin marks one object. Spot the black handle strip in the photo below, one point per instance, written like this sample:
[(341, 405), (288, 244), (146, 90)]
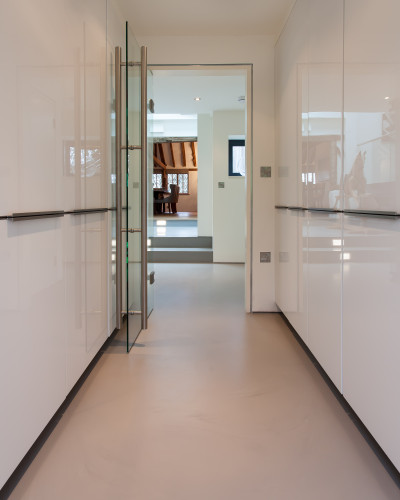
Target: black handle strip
[(362, 213), (376, 213), (34, 215), (87, 211), (325, 210)]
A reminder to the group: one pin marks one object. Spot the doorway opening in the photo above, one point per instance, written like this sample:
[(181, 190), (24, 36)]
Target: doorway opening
[(202, 133)]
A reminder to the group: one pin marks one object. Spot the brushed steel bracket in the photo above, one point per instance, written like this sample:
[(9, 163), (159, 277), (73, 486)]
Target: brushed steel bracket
[(131, 63), (131, 148), (131, 230)]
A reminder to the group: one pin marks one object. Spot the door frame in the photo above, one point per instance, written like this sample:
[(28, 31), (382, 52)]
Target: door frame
[(248, 68)]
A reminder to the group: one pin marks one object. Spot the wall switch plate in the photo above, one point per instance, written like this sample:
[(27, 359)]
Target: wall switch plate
[(221, 185), (265, 171), (283, 172), (283, 256), (265, 256)]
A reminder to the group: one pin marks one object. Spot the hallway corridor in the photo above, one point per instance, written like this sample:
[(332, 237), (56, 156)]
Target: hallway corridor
[(211, 404)]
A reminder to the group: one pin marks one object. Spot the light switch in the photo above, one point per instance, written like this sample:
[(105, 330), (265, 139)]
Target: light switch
[(265, 171), (221, 185), (265, 256)]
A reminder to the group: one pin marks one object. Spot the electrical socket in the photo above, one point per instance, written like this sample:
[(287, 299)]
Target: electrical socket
[(265, 256)]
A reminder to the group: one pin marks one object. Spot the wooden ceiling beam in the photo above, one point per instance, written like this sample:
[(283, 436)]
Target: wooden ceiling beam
[(159, 163), (161, 151), (183, 154), (193, 154), (172, 154)]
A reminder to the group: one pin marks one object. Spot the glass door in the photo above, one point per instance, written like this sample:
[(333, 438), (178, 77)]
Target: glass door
[(132, 179), (134, 164)]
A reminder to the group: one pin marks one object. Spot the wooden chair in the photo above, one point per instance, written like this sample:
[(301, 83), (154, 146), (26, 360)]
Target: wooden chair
[(170, 200)]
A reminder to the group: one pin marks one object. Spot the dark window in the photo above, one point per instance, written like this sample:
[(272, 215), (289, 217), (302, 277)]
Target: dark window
[(237, 157)]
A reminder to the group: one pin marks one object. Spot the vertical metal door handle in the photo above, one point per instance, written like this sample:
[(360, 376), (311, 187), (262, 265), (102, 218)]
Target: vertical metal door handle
[(118, 186), (143, 106)]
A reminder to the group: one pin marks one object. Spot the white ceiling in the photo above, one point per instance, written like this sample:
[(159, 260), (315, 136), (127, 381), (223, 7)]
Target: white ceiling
[(175, 90), (206, 17)]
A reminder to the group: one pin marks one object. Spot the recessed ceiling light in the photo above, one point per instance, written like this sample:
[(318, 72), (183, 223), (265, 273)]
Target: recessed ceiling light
[(197, 98), (387, 98)]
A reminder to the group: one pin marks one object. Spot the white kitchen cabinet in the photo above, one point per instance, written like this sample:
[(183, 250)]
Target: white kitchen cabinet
[(291, 268), (324, 289), (32, 331), (371, 314)]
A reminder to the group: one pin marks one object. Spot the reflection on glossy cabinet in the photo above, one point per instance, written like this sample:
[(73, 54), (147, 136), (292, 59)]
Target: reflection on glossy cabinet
[(53, 96), (371, 106)]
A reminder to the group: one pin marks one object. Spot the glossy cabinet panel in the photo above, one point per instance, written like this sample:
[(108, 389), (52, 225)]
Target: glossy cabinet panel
[(309, 106), (321, 113), (53, 91), (96, 282), (75, 297), (346, 99), (371, 110), (371, 315), (291, 52), (32, 331), (325, 292), (86, 264), (322, 131), (291, 268), (57, 297)]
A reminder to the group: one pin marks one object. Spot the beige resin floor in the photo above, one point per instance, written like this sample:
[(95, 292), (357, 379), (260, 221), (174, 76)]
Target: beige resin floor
[(212, 404)]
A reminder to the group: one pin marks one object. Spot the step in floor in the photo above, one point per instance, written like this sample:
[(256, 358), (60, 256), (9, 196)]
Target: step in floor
[(180, 255), (181, 242)]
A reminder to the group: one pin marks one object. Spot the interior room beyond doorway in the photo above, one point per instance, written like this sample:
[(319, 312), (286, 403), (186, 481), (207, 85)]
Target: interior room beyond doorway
[(197, 112)]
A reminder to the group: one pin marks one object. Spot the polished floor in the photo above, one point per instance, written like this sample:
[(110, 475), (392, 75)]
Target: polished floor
[(211, 404), (181, 224)]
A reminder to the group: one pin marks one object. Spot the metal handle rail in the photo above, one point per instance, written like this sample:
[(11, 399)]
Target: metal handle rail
[(143, 106), (118, 186), (143, 168)]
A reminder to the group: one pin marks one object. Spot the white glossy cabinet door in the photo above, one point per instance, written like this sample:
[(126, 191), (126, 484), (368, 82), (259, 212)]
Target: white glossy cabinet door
[(291, 273), (32, 333), (95, 97), (323, 158), (372, 113), (324, 292), (322, 120), (371, 315), (75, 297), (86, 290), (96, 282), (291, 53)]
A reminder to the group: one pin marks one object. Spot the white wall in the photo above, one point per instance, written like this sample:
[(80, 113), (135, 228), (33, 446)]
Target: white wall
[(205, 175), (258, 50), (56, 273), (336, 270), (229, 212)]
